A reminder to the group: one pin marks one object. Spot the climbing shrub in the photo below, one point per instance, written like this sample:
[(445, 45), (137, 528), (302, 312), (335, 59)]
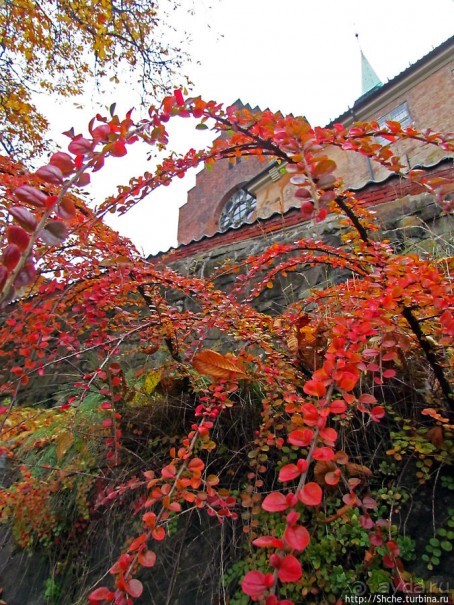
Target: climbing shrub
[(290, 429)]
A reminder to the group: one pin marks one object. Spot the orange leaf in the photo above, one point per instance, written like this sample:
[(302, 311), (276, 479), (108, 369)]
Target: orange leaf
[(324, 166), (158, 533), (214, 364), (137, 543)]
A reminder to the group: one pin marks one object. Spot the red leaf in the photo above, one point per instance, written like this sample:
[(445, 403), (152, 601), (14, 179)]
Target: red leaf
[(377, 412), (348, 381), (323, 453), (101, 133), (169, 471), (179, 97), (307, 209), (100, 594), (167, 104), (389, 561), (147, 558), (314, 388), (393, 547), (134, 588), (118, 149), (80, 146), (311, 494), (255, 583), (290, 569), (338, 406), (329, 436), (325, 181), (389, 373), (310, 413), (83, 180), (366, 522), (275, 502), (17, 235), (303, 193), (297, 179), (301, 437), (292, 518), (289, 472), (31, 195), (297, 537), (353, 483), (323, 213), (291, 500), (63, 161), (11, 256), (159, 533), (332, 477), (369, 502), (137, 543), (24, 217), (196, 464), (268, 542), (149, 519), (367, 399), (376, 539), (50, 174), (350, 499)]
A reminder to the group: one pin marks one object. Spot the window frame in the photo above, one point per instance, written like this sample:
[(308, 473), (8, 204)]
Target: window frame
[(237, 209), (391, 115)]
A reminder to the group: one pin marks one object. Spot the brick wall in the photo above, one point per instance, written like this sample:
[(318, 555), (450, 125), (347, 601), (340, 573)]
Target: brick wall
[(200, 215), (431, 105)]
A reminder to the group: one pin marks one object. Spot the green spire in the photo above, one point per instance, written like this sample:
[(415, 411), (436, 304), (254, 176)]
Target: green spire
[(369, 78)]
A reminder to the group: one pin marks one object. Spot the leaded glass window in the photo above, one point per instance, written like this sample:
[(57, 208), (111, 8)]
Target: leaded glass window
[(237, 210), (400, 114)]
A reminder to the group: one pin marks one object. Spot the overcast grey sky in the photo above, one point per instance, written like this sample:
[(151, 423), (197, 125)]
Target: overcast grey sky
[(296, 56)]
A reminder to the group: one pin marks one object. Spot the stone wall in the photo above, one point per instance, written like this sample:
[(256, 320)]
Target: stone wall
[(413, 223)]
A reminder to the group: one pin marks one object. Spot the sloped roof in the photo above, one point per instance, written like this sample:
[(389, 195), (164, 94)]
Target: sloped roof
[(378, 90)]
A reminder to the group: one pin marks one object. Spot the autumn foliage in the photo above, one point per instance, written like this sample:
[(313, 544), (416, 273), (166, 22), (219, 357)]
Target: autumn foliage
[(57, 47), (76, 295)]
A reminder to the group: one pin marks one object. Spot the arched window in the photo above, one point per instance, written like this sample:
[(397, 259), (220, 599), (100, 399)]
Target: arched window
[(237, 210)]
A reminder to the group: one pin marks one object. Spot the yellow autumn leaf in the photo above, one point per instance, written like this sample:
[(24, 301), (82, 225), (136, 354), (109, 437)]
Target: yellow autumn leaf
[(64, 442), (151, 381)]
